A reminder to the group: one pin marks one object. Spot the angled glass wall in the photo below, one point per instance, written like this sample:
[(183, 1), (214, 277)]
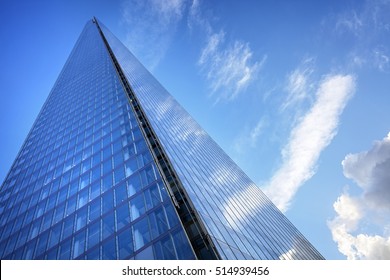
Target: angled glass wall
[(241, 221), (84, 185)]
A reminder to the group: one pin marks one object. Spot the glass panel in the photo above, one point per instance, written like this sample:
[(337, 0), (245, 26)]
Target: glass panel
[(120, 193), (82, 198), (145, 254), (55, 234), (67, 228), (95, 190), (81, 218), (95, 174), (122, 216), (84, 180), (79, 244), (41, 245), (108, 225), (107, 182), (130, 167), (29, 250), (64, 253), (107, 202), (183, 249), (109, 250), (172, 216), (134, 184), (125, 244), (119, 174), (141, 233), (94, 210), (94, 254), (137, 206), (158, 222), (93, 234), (164, 249), (70, 206)]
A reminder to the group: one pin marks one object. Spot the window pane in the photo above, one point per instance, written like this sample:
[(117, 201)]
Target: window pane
[(55, 233), (81, 218), (82, 198), (93, 234), (107, 182), (94, 254), (172, 216), (137, 206), (120, 193), (67, 228), (84, 180), (108, 225), (64, 251), (95, 189), (164, 249), (125, 244), (108, 201), (148, 176), (94, 210), (29, 250), (109, 250), (122, 216), (141, 233), (134, 184), (95, 173), (79, 244), (70, 206), (183, 249), (119, 174), (130, 167), (158, 222), (73, 188)]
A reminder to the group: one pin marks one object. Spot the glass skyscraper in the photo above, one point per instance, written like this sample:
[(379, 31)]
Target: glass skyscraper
[(115, 168)]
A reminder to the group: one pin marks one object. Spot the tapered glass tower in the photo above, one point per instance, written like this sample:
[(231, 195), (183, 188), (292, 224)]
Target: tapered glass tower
[(115, 168)]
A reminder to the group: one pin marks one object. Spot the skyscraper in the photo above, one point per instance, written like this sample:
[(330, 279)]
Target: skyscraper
[(115, 168)]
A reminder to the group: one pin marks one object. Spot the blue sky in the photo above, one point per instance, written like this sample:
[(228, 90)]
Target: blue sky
[(296, 92)]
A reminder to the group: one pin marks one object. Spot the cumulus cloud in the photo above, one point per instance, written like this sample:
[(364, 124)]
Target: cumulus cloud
[(370, 171), (157, 19), (309, 138)]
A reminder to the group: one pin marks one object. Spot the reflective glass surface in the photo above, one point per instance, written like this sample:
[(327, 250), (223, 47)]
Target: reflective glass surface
[(84, 185), (242, 222)]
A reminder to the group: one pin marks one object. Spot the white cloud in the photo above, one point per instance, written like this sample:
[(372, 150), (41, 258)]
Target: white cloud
[(350, 22), (381, 58), (370, 170), (229, 67), (151, 25), (298, 83), (257, 131), (368, 24), (308, 138), (343, 227)]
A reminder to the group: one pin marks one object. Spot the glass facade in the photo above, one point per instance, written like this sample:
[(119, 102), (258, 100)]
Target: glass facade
[(89, 184), (84, 185)]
